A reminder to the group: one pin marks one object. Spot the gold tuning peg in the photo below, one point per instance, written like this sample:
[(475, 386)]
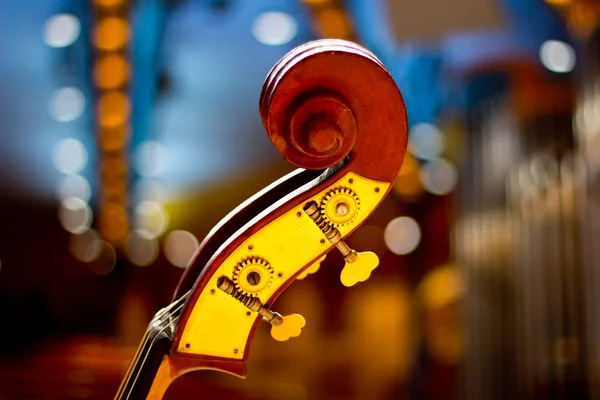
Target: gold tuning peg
[(283, 326), (312, 269), (358, 267), (286, 326)]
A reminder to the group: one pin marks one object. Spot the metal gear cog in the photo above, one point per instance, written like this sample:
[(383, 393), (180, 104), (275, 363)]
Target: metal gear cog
[(252, 276), (340, 206)]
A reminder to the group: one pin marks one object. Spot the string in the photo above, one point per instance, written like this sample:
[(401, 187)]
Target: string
[(152, 344), (156, 320), (158, 315)]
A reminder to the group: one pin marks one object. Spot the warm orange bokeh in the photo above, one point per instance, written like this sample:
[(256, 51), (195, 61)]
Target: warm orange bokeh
[(109, 3), (111, 71), (113, 109), (112, 33), (114, 138), (114, 222)]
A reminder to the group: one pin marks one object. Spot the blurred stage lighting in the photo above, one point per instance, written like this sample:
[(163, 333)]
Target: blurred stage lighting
[(151, 219), (112, 71), (141, 251), (402, 235), (113, 109), (66, 104), (148, 190), (74, 186), (85, 246), (61, 30), (113, 221), (274, 28), (439, 177), (180, 247), (426, 141), (150, 159), (75, 215), (112, 33), (105, 260), (557, 56), (108, 3), (69, 156)]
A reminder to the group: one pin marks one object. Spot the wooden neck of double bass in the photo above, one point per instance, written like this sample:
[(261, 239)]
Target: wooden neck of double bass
[(145, 368)]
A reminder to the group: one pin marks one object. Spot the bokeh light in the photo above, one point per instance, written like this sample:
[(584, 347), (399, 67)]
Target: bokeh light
[(61, 30), (150, 159), (69, 156), (274, 28), (402, 235), (180, 247), (151, 219), (114, 138), (439, 177), (113, 109), (333, 23), (141, 251), (66, 104), (73, 186), (148, 190), (111, 71), (114, 222), (426, 141), (75, 215), (105, 260), (557, 56), (408, 183), (108, 3), (85, 246), (112, 33)]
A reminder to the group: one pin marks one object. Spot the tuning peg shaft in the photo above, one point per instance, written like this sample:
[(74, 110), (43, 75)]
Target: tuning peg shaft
[(283, 327), (358, 266)]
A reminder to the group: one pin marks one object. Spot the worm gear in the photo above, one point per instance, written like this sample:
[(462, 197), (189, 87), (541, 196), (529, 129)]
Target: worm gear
[(252, 276), (340, 206)]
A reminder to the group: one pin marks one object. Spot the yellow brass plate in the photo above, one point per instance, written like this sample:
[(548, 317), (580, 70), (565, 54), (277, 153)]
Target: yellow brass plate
[(219, 325)]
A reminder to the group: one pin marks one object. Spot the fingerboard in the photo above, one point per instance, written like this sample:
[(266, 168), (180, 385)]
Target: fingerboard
[(145, 365)]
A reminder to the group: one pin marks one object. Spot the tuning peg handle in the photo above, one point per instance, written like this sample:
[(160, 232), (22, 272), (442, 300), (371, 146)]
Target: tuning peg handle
[(287, 326), (358, 267)]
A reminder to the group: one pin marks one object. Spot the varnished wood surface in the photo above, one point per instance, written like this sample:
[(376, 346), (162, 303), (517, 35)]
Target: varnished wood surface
[(236, 219), (367, 87)]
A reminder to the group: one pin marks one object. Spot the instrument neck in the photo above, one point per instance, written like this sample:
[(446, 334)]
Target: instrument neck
[(155, 346), (144, 367)]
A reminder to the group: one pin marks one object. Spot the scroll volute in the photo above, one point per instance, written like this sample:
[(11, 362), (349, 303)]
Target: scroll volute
[(329, 99)]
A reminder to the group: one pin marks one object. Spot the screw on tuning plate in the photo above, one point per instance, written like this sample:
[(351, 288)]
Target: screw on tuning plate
[(358, 266), (283, 327)]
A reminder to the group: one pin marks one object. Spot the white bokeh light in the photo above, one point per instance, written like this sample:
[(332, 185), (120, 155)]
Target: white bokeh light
[(85, 246), (439, 177), (402, 235), (105, 259), (426, 141), (66, 104), (274, 28), (150, 159), (75, 215), (61, 30), (557, 56), (74, 186), (151, 219), (180, 247), (148, 189), (141, 251), (69, 156)]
